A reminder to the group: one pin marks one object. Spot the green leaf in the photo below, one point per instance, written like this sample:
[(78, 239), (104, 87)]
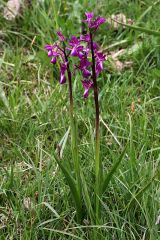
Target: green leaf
[(110, 174), (72, 185), (87, 198)]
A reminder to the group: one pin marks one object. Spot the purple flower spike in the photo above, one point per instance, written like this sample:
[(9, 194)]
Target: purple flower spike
[(61, 37), (87, 84)]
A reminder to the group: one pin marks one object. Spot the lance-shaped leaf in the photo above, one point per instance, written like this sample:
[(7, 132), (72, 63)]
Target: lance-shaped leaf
[(73, 188), (109, 176), (87, 198)]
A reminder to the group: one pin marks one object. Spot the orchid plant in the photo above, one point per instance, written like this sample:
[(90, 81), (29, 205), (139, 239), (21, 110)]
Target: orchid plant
[(90, 63)]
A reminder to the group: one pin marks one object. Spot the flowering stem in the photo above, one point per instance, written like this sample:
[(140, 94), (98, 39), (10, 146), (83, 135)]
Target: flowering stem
[(74, 144), (98, 163)]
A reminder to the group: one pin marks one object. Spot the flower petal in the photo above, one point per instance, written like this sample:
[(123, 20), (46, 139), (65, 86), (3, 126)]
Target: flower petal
[(53, 60), (87, 84), (62, 79), (86, 73)]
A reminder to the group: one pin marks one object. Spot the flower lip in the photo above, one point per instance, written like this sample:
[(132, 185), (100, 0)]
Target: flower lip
[(77, 51), (50, 53), (63, 68), (54, 60), (87, 84), (86, 73), (62, 79)]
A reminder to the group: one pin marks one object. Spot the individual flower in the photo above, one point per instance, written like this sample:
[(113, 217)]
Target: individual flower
[(87, 84), (76, 49), (89, 17), (85, 38), (63, 68), (50, 49), (84, 64), (74, 41), (53, 52), (99, 20), (60, 36), (94, 24), (100, 58)]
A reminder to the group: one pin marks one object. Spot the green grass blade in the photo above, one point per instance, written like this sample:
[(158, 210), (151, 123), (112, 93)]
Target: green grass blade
[(147, 11), (140, 193), (141, 29), (111, 173)]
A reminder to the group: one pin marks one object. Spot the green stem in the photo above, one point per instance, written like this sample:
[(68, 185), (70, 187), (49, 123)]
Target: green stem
[(98, 163), (74, 144)]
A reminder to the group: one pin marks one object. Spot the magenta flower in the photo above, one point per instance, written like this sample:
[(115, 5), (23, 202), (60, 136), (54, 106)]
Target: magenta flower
[(99, 20), (84, 64), (93, 23), (87, 84), (89, 16), (54, 60), (100, 58), (63, 69), (74, 41), (53, 52), (85, 38), (77, 49), (60, 36)]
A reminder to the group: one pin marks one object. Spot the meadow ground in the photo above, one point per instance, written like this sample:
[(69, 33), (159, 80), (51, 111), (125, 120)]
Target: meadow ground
[(35, 201)]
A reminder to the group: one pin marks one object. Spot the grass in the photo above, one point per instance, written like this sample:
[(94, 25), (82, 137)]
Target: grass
[(35, 201)]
